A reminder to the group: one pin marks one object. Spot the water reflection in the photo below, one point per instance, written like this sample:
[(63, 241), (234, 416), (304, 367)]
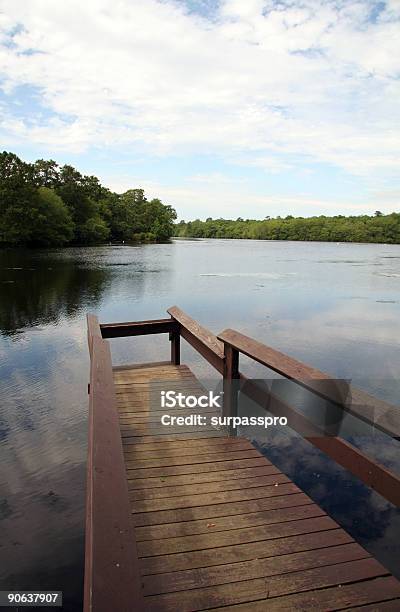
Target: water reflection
[(40, 289), (333, 306), (369, 518)]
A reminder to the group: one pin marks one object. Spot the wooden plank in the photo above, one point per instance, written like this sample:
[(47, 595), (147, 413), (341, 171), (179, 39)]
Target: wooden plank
[(378, 413), (346, 597), (243, 552), (112, 572), (200, 445), (194, 435), (152, 367), (197, 444), (143, 366), (161, 461), (274, 586), (126, 412), (93, 330), (138, 328), (222, 497), (231, 537), (153, 430), (208, 487), (135, 381), (382, 606), (202, 478), (128, 384), (269, 517), (216, 510), (172, 451), (155, 417), (250, 570), (204, 341), (195, 468)]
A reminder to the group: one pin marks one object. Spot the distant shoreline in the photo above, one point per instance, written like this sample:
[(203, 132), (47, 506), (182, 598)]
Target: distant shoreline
[(363, 229)]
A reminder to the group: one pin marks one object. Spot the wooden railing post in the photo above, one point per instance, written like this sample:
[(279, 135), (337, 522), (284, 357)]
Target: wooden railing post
[(200, 338), (231, 382), (175, 339)]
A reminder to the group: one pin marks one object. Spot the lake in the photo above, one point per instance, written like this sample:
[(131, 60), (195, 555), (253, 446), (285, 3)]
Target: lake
[(333, 306)]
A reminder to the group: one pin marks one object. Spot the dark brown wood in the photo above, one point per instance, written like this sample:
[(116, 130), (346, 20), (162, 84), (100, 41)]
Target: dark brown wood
[(376, 591), (93, 330), (221, 497), (194, 435), (214, 458), (231, 537), (204, 341), (216, 510), (369, 471), (269, 517), (112, 579), (141, 366), (303, 540), (371, 410), (208, 487), (202, 478), (196, 468), (170, 450), (208, 520), (268, 589), (138, 328), (261, 568), (175, 338), (231, 383)]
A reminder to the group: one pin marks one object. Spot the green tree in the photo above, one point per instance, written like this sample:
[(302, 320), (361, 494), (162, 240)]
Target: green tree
[(46, 173), (17, 192), (94, 231), (51, 223)]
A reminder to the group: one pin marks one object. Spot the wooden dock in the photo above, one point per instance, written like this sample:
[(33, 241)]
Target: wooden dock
[(185, 518)]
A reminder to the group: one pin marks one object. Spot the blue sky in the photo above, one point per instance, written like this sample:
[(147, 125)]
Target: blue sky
[(220, 108)]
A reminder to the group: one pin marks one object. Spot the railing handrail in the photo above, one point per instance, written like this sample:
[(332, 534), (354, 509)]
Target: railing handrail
[(222, 352), (138, 328), (201, 338), (369, 471), (360, 404), (112, 578)]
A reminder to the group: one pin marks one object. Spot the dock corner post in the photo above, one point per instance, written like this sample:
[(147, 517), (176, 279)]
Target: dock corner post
[(231, 383), (175, 339)]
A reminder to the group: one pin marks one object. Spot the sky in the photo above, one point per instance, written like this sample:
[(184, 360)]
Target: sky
[(226, 108)]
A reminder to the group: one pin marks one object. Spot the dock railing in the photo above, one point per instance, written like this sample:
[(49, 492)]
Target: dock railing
[(110, 564), (372, 411), (112, 579)]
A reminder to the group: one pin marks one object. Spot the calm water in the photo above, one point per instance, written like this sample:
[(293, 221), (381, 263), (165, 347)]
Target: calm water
[(334, 306)]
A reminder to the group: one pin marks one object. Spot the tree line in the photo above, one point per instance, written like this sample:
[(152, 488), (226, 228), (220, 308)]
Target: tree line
[(45, 204), (362, 228)]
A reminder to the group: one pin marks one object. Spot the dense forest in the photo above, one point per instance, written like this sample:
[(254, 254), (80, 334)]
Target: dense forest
[(45, 204), (363, 228)]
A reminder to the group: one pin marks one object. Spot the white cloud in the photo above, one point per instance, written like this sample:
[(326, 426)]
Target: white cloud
[(260, 80), (220, 195)]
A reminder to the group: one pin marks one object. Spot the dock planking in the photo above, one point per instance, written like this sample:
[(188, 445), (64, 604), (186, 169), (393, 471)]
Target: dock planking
[(188, 518), (217, 526)]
